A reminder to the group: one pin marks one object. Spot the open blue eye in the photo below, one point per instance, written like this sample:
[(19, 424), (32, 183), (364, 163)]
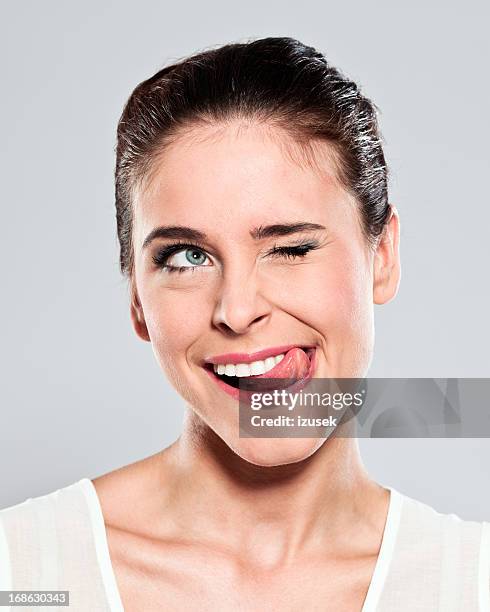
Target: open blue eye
[(179, 257), (187, 257)]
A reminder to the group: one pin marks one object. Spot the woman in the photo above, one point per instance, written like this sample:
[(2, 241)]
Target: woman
[(256, 234)]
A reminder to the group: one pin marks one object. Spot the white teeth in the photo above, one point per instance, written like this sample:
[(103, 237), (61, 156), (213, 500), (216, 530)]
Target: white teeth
[(242, 369), (270, 362), (258, 367), (248, 369)]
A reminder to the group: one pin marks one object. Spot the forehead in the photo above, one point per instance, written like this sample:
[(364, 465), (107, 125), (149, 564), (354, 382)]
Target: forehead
[(236, 176)]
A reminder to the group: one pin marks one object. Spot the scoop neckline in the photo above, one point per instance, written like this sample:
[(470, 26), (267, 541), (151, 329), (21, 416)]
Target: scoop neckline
[(102, 546), (386, 551), (376, 585)]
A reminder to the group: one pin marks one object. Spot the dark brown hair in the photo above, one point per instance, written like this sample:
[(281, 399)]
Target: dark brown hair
[(277, 81)]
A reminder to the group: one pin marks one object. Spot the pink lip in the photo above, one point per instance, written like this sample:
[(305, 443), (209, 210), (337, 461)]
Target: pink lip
[(235, 393), (250, 357)]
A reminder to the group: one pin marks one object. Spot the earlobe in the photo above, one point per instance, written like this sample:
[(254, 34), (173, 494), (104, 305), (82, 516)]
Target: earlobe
[(386, 272), (138, 317)]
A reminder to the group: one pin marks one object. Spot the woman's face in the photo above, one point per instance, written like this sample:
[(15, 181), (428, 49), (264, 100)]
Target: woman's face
[(233, 290)]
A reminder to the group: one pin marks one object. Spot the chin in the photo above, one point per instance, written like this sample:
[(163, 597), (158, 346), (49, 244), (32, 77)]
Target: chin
[(276, 451)]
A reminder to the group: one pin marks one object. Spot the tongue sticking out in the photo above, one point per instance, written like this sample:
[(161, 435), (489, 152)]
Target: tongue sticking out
[(292, 368), (294, 364)]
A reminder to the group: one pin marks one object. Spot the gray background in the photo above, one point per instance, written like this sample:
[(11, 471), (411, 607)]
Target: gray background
[(80, 394)]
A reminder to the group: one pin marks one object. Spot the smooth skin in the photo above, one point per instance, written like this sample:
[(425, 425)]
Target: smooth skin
[(214, 521)]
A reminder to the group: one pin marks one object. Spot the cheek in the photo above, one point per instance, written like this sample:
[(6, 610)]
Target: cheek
[(334, 298), (333, 294), (175, 319), (350, 319), (347, 296)]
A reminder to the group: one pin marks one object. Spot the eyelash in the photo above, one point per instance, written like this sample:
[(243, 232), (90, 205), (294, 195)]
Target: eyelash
[(289, 252)]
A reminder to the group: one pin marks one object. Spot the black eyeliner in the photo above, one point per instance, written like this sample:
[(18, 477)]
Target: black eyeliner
[(295, 250), (164, 253)]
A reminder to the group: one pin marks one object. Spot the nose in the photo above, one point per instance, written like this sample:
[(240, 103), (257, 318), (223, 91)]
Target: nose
[(240, 306)]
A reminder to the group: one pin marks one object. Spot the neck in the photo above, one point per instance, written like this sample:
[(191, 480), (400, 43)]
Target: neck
[(274, 514)]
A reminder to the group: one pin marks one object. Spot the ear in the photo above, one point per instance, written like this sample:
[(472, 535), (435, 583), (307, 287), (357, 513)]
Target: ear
[(386, 272), (137, 315)]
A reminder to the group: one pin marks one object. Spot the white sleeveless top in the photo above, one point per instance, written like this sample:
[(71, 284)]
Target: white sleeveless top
[(428, 561)]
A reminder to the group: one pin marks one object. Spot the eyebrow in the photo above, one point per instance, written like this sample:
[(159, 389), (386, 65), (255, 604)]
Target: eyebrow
[(257, 233)]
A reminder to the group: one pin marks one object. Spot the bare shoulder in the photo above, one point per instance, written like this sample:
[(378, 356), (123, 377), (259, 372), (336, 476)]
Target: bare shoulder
[(123, 493)]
